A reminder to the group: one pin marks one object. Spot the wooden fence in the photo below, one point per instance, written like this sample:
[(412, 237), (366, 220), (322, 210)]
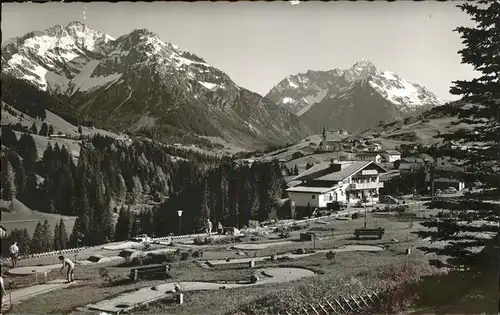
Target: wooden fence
[(341, 305)]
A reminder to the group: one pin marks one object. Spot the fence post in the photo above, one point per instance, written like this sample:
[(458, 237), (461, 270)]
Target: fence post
[(342, 307), (356, 302), (323, 309), (361, 297), (314, 310), (347, 302)]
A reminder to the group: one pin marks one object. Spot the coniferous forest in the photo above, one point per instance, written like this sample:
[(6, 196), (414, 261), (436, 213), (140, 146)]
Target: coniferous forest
[(111, 176)]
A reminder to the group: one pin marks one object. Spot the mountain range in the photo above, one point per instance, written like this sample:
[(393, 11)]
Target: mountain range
[(138, 83), (353, 99)]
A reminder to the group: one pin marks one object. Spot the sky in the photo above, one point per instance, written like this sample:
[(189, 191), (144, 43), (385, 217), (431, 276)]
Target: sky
[(260, 43)]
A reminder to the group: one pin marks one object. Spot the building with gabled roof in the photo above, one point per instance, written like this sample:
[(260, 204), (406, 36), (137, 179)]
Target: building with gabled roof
[(346, 182)]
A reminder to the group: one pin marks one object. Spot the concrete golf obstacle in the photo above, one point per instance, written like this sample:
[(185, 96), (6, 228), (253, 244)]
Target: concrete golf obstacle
[(129, 301), (347, 248)]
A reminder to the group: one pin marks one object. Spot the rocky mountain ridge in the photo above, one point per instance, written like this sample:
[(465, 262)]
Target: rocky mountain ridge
[(334, 98), (137, 82)]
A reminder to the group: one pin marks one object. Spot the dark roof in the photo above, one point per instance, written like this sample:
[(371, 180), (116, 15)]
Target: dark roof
[(307, 189), (315, 169), (412, 159), (346, 170), (392, 152), (368, 153)]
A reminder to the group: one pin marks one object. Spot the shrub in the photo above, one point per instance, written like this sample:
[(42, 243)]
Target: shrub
[(254, 278), (197, 254), (185, 255), (159, 258), (330, 255), (203, 240), (299, 251), (355, 216), (284, 234)]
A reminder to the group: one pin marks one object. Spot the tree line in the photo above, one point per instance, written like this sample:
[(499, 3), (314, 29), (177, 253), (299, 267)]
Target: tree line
[(44, 239), (110, 173)]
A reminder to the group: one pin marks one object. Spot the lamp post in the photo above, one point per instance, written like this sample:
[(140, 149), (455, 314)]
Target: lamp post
[(179, 214)]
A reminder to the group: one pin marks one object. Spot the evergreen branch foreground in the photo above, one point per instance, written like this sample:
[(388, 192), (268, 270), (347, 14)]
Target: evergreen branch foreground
[(470, 235)]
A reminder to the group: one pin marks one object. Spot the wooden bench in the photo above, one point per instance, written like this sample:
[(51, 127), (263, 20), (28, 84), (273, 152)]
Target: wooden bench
[(149, 272), (407, 215), (307, 237), (369, 232)]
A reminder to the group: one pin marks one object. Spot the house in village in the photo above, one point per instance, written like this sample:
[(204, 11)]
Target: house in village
[(391, 156), (373, 147), (368, 156), (409, 164), (333, 181), (330, 146), (443, 183)]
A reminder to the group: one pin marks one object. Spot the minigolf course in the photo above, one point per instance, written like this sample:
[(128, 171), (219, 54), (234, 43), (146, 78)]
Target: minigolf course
[(132, 300)]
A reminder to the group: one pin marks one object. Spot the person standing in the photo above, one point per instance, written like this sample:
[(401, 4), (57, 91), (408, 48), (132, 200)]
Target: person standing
[(220, 228), (209, 227), (14, 251), (2, 293), (71, 268)]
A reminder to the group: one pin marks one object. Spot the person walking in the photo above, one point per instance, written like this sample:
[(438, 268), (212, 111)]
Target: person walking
[(71, 268), (14, 252), (220, 228)]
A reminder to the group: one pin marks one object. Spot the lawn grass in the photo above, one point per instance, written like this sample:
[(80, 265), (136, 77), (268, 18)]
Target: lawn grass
[(351, 272)]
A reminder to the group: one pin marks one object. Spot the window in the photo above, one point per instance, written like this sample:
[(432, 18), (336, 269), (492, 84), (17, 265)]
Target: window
[(313, 197)]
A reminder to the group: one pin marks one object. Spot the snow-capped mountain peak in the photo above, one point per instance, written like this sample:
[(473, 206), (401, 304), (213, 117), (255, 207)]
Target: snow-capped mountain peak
[(295, 90), (135, 79), (303, 92)]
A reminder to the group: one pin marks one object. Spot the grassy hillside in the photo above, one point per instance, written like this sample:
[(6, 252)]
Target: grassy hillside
[(425, 129), (21, 217), (305, 146)]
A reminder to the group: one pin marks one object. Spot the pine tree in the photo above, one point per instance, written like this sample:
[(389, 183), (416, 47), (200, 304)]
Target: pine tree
[(295, 170), (204, 209), (123, 225), (47, 238), (25, 243), (57, 245), (76, 237), (63, 235), (33, 129), (8, 180), (37, 245), (51, 130), (9, 138), (482, 157), (44, 130)]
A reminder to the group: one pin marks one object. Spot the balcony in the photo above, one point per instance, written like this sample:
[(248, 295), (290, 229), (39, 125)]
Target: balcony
[(373, 185)]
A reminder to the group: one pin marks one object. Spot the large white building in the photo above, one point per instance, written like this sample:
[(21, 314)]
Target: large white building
[(337, 181)]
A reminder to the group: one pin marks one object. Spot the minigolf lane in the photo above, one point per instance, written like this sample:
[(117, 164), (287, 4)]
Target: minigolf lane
[(28, 270), (131, 300), (17, 296)]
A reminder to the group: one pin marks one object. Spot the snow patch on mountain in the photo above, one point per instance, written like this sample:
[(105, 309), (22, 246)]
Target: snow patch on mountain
[(86, 80), (209, 86), (292, 84)]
